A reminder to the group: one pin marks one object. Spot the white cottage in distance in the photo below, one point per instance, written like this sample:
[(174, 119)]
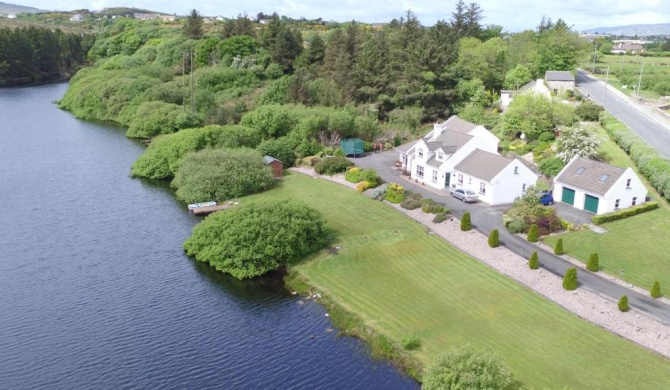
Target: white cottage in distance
[(460, 153)]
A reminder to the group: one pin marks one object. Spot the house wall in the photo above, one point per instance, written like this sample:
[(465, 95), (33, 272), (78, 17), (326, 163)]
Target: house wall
[(561, 85), (508, 185), (505, 98), (623, 193)]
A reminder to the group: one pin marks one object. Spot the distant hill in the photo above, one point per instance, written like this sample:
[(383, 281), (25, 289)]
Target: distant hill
[(6, 8), (633, 29)]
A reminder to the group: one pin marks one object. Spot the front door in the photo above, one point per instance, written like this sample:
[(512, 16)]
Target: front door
[(447, 178)]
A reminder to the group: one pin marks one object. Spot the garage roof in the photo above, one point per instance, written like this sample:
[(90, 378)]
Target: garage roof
[(589, 175)]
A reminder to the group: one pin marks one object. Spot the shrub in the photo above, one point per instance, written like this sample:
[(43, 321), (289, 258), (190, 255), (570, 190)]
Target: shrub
[(395, 193), (625, 213), (570, 279), (379, 193), (353, 175), (429, 206), (592, 264), (281, 148), (588, 111), (364, 185), (410, 203), (656, 290), (467, 368), (623, 304), (516, 227), (466, 224), (440, 217), (547, 136), (259, 237), (221, 174), (533, 233), (332, 165), (558, 249), (154, 118), (494, 239), (533, 262), (551, 166), (411, 342)]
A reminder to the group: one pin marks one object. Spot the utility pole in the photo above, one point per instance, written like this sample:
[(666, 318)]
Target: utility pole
[(183, 79), (595, 51), (192, 84), (639, 81), (606, 79)]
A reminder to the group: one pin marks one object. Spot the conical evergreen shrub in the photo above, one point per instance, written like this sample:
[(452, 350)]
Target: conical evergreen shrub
[(533, 263), (592, 265), (533, 233), (570, 279), (494, 238), (465, 222), (656, 290), (558, 249), (623, 304)]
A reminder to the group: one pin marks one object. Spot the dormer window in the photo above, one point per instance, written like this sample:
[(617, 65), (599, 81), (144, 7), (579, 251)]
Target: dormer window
[(420, 152), (440, 155)]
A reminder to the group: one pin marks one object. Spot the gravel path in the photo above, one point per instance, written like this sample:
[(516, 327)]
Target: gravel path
[(632, 325)]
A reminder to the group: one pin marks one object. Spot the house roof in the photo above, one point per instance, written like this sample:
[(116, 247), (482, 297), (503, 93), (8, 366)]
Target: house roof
[(405, 148), (559, 75), (433, 162), (459, 125), (433, 146), (482, 165), (269, 159), (628, 46), (589, 175)]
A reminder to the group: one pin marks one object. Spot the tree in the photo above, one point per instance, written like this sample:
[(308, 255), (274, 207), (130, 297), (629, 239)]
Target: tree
[(570, 279), (283, 149), (494, 238), (517, 77), (255, 238), (467, 368), (551, 166), (606, 47), (533, 261), (656, 290), (588, 111), (465, 222), (623, 304), (592, 264), (193, 25), (533, 232), (221, 174), (558, 249), (579, 140), (531, 115)]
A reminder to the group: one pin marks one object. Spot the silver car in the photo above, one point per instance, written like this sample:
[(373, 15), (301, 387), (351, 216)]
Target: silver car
[(464, 195)]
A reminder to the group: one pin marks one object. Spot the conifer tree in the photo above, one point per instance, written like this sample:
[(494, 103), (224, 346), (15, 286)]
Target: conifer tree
[(533, 262), (656, 290), (592, 265), (465, 222), (623, 304), (494, 238), (193, 25), (570, 279), (558, 249), (533, 233)]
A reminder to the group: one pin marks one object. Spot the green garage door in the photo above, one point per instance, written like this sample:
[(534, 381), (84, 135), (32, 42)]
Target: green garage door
[(568, 196), (591, 204)]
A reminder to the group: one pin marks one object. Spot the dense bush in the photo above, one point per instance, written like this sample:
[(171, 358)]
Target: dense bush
[(516, 227), (162, 158), (154, 118), (256, 238), (365, 185), (356, 174), (592, 264), (625, 213), (379, 193), (281, 148), (466, 224), (440, 217), (221, 174), (527, 210), (656, 290), (411, 342), (429, 206), (558, 249), (588, 111), (395, 193), (623, 304), (547, 136), (551, 166), (494, 238), (570, 279), (533, 233), (410, 203), (467, 368), (332, 165), (533, 262)]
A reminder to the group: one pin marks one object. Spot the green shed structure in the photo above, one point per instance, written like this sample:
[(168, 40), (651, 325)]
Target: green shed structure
[(352, 147)]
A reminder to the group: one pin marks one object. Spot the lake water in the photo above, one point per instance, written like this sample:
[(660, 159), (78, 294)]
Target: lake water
[(95, 291)]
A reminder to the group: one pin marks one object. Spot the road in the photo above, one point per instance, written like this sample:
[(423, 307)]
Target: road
[(637, 116), (486, 218)]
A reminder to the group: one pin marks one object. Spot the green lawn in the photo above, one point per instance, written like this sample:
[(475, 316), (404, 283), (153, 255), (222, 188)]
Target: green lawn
[(636, 245), (629, 67), (401, 281)]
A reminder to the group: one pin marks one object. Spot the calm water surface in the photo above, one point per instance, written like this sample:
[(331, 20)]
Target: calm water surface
[(95, 291)]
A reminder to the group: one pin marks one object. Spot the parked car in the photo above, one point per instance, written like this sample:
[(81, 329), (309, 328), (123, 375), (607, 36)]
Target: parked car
[(464, 194), (546, 198)]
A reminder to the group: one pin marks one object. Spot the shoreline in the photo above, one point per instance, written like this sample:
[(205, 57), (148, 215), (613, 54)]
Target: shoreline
[(634, 326)]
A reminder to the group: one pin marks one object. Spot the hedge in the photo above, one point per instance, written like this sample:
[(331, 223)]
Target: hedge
[(625, 213), (648, 160)]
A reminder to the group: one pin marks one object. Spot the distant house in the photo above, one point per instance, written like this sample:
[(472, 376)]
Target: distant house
[(460, 153), (536, 87), (77, 18), (142, 16), (625, 47), (168, 18), (559, 81), (598, 187), (276, 165)]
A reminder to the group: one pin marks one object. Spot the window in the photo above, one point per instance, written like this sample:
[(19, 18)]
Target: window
[(628, 183), (482, 188), (634, 202), (469, 180), (580, 170), (460, 179), (523, 187), (616, 203), (420, 152), (516, 170), (440, 156), (604, 178), (434, 176), (419, 171)]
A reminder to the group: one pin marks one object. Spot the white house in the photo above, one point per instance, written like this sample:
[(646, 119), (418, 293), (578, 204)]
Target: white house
[(433, 160), (598, 187), (537, 87), (496, 179)]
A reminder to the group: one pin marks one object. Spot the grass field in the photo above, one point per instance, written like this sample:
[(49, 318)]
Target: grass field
[(625, 70), (401, 281)]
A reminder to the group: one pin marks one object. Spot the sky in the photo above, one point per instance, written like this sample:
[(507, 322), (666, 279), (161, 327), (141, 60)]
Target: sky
[(513, 15)]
